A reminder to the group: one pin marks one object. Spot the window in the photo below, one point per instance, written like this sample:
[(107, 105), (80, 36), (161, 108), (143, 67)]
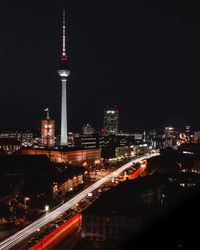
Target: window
[(101, 229), (107, 230), (88, 219), (113, 229), (94, 229), (88, 229), (107, 220)]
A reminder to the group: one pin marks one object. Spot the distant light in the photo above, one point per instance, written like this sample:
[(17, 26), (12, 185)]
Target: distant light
[(89, 194), (46, 208), (187, 152), (110, 111), (143, 145), (84, 164), (96, 161)]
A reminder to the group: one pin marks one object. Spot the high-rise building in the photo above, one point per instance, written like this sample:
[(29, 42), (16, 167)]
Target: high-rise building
[(47, 131), (111, 121), (63, 73)]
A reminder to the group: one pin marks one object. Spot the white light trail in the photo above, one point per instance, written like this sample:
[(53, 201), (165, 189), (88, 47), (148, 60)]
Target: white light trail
[(49, 217)]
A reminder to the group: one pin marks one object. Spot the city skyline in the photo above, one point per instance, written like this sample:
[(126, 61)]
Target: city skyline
[(138, 57), (99, 131)]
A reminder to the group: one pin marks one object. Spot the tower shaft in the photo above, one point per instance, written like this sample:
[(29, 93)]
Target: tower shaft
[(63, 138)]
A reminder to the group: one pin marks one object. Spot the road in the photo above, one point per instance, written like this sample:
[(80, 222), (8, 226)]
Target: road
[(68, 242), (52, 215), (62, 232)]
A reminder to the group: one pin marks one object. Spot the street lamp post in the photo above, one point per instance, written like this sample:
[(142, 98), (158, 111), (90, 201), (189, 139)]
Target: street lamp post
[(38, 230), (25, 200)]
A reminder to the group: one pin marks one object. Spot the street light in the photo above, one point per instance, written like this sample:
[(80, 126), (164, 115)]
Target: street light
[(46, 208), (38, 230), (26, 199)]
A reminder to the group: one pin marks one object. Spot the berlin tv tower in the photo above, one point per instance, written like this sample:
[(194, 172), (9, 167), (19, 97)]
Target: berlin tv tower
[(63, 73)]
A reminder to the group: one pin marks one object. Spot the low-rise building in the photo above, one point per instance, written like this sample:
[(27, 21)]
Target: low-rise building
[(71, 155), (9, 145), (67, 181)]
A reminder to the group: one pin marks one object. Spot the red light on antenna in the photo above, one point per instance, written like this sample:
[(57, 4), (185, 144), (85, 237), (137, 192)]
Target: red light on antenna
[(63, 58)]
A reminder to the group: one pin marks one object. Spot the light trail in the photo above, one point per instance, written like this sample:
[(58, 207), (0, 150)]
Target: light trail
[(51, 216)]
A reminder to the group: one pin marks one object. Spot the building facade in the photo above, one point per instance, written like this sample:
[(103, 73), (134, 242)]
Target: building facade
[(88, 129), (9, 145), (76, 157), (48, 133), (111, 121)]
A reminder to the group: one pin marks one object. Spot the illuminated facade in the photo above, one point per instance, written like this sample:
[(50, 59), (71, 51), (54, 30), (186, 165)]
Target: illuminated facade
[(9, 145), (47, 132), (76, 157), (88, 129), (170, 136), (111, 121), (63, 73), (67, 185)]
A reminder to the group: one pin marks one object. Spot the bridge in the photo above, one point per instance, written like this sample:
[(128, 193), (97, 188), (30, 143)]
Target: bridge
[(52, 215)]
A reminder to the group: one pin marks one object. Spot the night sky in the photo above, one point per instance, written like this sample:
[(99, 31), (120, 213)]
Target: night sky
[(143, 57)]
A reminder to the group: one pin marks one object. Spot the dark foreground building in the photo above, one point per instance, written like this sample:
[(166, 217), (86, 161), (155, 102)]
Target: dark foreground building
[(150, 212)]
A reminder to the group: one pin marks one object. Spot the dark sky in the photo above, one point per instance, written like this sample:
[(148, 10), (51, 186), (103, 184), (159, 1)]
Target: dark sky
[(143, 57)]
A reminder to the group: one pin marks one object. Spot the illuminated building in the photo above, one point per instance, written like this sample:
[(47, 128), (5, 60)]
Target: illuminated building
[(197, 136), (89, 141), (88, 129), (63, 73), (111, 121), (187, 129), (170, 136), (47, 131), (25, 137), (9, 145), (67, 181), (72, 155)]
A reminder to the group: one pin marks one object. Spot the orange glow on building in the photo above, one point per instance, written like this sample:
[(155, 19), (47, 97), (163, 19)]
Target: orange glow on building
[(47, 133), (73, 156)]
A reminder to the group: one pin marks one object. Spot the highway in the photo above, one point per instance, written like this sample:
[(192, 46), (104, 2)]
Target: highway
[(52, 215)]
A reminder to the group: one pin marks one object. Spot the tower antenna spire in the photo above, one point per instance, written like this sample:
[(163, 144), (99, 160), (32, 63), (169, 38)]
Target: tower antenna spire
[(64, 34), (47, 113)]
